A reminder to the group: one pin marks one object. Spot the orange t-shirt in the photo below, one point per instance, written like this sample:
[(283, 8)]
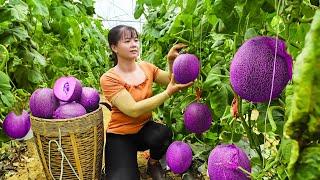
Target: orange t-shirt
[(111, 84)]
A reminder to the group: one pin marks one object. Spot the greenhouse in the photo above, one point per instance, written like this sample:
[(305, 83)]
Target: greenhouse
[(160, 89)]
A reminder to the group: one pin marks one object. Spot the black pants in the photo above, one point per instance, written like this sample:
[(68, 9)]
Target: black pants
[(121, 150)]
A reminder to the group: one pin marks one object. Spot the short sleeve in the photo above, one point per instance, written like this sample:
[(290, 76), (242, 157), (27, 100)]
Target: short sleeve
[(153, 69), (110, 86)]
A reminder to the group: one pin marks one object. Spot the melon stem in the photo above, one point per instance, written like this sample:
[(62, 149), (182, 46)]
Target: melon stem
[(247, 127)]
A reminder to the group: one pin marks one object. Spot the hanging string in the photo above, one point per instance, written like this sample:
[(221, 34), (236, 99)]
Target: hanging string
[(281, 4), (63, 156)]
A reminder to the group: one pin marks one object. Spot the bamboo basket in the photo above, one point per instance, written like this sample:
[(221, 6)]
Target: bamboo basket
[(79, 141)]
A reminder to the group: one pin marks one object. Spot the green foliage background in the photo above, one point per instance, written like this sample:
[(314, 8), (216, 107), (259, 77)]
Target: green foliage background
[(43, 40)]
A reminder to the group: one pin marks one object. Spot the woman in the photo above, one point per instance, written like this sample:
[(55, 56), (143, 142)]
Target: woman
[(128, 86)]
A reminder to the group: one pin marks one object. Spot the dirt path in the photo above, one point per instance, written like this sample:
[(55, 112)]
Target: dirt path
[(30, 167)]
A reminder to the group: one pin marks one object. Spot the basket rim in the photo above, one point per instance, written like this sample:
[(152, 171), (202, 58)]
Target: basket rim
[(68, 119)]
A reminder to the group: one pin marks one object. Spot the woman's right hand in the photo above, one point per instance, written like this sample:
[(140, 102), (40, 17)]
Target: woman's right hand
[(174, 52), (173, 87)]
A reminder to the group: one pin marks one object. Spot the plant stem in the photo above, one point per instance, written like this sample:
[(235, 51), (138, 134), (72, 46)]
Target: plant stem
[(195, 136), (243, 170), (252, 139)]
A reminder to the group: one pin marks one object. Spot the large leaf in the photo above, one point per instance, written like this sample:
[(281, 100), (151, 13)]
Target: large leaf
[(20, 32), (39, 7), (181, 22), (219, 100), (87, 3), (4, 82), (138, 11), (308, 166), (19, 10), (38, 58), (189, 6), (213, 78), (222, 8), (34, 76), (4, 56), (304, 80), (153, 3)]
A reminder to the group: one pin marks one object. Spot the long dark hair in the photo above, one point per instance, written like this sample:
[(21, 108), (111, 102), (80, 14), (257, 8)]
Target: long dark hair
[(115, 35)]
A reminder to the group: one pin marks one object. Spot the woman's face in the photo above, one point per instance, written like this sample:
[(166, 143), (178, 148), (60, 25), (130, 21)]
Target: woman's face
[(128, 46)]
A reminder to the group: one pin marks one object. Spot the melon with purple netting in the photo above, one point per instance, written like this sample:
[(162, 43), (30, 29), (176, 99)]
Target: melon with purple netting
[(179, 157), (69, 110), (16, 126), (197, 117), (227, 162), (186, 68), (89, 99), (251, 69), (43, 103)]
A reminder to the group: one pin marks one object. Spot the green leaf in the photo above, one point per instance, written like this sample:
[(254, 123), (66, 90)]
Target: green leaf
[(268, 6), (277, 24), (34, 76), (37, 57), (19, 10), (219, 100), (87, 3), (189, 6), (4, 56), (285, 149), (20, 32), (38, 7), (213, 78), (305, 81), (222, 8), (307, 10), (309, 164), (138, 11), (270, 117), (153, 3), (4, 82), (181, 22), (211, 135), (5, 100), (250, 33), (3, 137)]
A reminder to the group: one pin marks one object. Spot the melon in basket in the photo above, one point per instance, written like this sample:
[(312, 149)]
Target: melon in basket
[(67, 89)]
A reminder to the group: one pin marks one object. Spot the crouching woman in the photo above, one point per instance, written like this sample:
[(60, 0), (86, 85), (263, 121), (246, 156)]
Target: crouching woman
[(128, 87)]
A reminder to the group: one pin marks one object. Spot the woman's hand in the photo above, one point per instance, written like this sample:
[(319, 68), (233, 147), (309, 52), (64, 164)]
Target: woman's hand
[(174, 51), (174, 87)]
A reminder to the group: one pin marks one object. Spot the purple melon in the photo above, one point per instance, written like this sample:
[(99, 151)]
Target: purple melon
[(197, 117), (16, 126), (179, 157), (251, 69), (67, 89), (43, 103), (186, 68), (224, 162), (69, 110), (89, 99)]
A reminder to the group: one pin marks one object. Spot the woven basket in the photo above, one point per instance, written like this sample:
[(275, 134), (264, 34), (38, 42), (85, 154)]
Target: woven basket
[(81, 140)]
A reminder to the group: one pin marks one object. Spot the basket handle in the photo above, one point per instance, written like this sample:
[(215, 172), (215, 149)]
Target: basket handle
[(106, 105)]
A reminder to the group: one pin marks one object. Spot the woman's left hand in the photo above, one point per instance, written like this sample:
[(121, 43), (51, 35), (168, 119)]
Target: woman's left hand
[(174, 51)]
